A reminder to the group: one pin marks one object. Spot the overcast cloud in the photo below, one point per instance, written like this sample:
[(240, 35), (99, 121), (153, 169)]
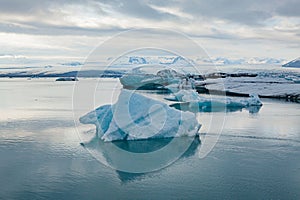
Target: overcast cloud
[(269, 28)]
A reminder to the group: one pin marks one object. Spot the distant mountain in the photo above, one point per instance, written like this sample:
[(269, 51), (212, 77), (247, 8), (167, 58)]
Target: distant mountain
[(159, 60), (264, 61), (220, 61), (179, 61), (242, 61), (137, 60), (72, 64), (294, 63), (127, 63)]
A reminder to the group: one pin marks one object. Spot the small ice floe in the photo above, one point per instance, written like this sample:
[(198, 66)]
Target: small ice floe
[(295, 79), (193, 102), (184, 84), (135, 117), (184, 96), (67, 79)]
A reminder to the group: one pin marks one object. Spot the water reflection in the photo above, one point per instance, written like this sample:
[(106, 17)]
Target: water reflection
[(142, 146), (107, 153)]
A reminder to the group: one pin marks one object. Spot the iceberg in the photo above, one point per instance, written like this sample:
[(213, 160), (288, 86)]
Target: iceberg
[(138, 79), (136, 117), (142, 78), (193, 102)]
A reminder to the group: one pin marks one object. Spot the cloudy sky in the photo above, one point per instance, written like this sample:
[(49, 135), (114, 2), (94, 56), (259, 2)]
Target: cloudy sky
[(70, 29)]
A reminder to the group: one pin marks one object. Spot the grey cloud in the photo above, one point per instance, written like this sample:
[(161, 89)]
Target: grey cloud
[(29, 7), (289, 8), (138, 9), (46, 29), (69, 30), (238, 11), (19, 6), (135, 8), (251, 13), (40, 13)]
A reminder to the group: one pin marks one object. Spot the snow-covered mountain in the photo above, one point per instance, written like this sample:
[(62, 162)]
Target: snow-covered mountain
[(293, 63), (137, 60), (264, 61), (72, 64), (220, 61), (241, 61), (129, 62), (180, 61), (132, 61)]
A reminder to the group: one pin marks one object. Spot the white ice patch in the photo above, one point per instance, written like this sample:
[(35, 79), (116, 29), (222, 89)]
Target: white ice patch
[(271, 84)]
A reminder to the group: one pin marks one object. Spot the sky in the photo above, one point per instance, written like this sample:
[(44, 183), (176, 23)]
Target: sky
[(69, 30)]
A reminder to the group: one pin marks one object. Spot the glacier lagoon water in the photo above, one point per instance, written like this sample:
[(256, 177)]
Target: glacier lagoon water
[(256, 157)]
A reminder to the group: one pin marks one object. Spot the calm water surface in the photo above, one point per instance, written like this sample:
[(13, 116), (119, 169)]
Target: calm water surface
[(256, 157)]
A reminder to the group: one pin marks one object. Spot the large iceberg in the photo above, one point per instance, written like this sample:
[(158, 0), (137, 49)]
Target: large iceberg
[(135, 117), (140, 79)]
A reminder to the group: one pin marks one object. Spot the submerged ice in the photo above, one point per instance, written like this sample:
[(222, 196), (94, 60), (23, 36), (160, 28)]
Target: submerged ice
[(135, 117)]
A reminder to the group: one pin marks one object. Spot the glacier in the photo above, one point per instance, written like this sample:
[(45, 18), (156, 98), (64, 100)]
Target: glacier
[(135, 117)]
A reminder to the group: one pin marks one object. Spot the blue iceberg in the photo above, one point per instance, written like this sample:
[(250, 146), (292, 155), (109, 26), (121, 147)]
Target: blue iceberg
[(190, 100), (135, 117)]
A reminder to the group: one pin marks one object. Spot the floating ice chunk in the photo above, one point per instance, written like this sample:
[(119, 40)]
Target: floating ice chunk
[(135, 117), (67, 79), (253, 100), (195, 103), (295, 79), (185, 96)]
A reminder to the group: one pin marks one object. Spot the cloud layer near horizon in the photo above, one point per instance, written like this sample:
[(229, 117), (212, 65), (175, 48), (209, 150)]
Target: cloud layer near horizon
[(225, 27)]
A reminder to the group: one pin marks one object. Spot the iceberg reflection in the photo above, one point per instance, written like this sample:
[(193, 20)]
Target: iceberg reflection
[(135, 159)]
